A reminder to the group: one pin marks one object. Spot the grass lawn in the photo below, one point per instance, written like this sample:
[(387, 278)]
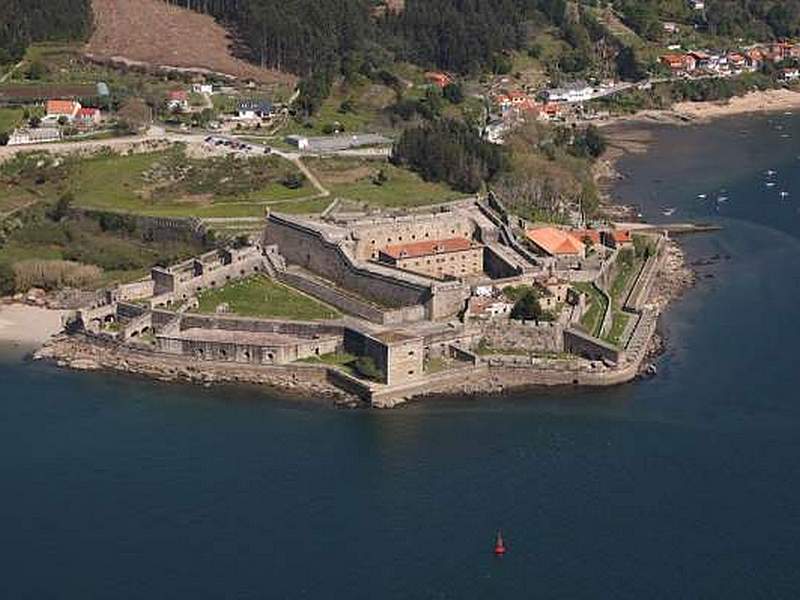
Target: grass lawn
[(618, 325), (629, 267), (352, 179), (592, 319), (261, 297), (9, 119), (365, 102), (166, 183), (342, 360)]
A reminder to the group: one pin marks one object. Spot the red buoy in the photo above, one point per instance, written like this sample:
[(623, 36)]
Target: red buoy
[(499, 546)]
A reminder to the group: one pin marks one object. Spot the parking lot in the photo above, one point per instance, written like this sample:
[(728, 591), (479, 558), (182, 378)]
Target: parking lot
[(234, 145)]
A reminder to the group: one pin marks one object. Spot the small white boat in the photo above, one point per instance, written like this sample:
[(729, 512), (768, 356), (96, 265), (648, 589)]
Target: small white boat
[(702, 196), (784, 194), (722, 199), (770, 184), (785, 136), (668, 212), (771, 173)]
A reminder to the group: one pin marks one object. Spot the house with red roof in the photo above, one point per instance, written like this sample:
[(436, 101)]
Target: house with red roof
[(618, 238), (679, 62), (55, 109), (88, 117), (550, 111), (178, 100), (556, 242), (439, 79)]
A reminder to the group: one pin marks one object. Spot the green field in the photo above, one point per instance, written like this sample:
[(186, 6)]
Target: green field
[(592, 319), (356, 107), (9, 119), (167, 183), (355, 180), (122, 254), (629, 266), (260, 297)]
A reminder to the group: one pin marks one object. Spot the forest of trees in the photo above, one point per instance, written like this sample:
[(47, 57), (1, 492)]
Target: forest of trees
[(450, 151), (25, 21), (752, 19), (322, 39)]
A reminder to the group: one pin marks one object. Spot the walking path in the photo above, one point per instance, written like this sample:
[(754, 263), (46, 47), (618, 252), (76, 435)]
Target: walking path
[(11, 71)]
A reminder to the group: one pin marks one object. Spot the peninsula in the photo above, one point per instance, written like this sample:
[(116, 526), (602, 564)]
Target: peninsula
[(459, 297)]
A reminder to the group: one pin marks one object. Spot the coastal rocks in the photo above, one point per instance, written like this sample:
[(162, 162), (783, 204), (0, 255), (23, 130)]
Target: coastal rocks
[(674, 279), (78, 352), (83, 364)]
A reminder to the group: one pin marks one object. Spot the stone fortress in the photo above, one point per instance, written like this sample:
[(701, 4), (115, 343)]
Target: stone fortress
[(420, 295)]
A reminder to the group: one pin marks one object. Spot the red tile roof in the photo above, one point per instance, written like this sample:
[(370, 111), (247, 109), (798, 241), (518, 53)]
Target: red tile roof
[(555, 241), (592, 234), (428, 247), (62, 107), (87, 112), (180, 95), (440, 79), (621, 236)]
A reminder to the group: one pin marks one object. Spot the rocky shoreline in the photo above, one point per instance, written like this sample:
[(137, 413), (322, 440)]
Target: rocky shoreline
[(675, 279), (78, 352)]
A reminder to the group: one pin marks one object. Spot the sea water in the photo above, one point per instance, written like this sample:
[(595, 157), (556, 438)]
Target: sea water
[(682, 486)]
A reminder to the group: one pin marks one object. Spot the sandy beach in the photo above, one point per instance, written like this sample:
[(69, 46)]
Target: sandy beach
[(687, 113), (767, 101), (27, 327)]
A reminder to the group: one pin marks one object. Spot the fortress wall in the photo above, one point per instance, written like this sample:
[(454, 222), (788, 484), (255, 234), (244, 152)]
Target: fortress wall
[(448, 299), (541, 337), (165, 322), (402, 230), (581, 344), (219, 275), (293, 328), (496, 265), (137, 290), (256, 354), (308, 248), (171, 228), (130, 311), (163, 281), (138, 326), (212, 269), (641, 287), (332, 296)]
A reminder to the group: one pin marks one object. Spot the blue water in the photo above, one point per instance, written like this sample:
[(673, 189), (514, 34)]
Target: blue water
[(683, 486)]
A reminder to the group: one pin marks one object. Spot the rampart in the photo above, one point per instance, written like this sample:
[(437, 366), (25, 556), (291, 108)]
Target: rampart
[(323, 251)]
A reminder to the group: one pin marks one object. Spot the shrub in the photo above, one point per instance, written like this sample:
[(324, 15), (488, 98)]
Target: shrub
[(527, 307), (6, 279), (366, 367), (293, 180), (54, 274)]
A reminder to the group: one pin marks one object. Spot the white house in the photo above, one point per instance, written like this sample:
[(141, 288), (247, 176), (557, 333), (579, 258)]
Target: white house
[(790, 74), (577, 91), (178, 100), (202, 88), (254, 109)]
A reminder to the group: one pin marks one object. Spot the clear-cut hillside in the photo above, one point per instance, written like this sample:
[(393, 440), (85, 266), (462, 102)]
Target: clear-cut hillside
[(159, 34)]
